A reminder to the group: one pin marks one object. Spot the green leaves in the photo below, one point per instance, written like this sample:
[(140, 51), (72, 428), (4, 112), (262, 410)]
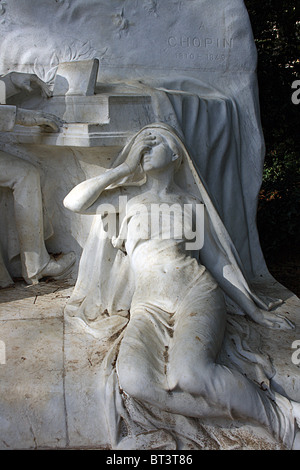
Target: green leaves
[(276, 29)]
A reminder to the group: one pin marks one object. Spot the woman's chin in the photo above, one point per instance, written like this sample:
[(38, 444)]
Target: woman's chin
[(147, 166)]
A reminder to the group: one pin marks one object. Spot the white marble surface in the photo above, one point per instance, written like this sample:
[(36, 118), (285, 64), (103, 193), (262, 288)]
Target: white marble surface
[(165, 312), (48, 384), (190, 64), (203, 49), (44, 402), (32, 398)]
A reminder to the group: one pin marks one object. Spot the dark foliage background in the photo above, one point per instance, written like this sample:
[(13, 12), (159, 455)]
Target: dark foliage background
[(276, 29)]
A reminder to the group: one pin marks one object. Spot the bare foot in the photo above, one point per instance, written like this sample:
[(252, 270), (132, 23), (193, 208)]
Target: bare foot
[(271, 320)]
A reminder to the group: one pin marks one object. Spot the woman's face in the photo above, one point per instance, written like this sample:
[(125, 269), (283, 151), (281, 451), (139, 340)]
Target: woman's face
[(157, 157)]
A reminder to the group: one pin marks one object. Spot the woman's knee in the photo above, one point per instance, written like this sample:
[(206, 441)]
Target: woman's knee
[(32, 175), (133, 378), (27, 176)]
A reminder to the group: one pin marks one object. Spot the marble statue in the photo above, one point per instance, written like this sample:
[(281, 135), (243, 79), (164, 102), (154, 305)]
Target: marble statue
[(170, 332), (168, 348), (24, 180)]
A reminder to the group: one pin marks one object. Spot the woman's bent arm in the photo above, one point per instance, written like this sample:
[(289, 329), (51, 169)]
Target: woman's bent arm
[(86, 193)]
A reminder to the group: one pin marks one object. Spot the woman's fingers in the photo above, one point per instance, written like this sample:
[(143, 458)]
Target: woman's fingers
[(145, 141), (143, 144), (276, 321)]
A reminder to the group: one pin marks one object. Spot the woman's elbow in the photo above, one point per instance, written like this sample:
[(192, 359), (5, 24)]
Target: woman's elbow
[(73, 204)]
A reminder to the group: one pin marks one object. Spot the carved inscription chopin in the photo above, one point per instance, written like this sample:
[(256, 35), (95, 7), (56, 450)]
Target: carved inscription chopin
[(204, 48), (197, 42)]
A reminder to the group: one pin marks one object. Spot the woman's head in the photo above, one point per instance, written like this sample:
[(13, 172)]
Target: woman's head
[(171, 138), (165, 150)]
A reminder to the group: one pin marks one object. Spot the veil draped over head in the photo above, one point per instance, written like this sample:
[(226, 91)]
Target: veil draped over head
[(100, 291)]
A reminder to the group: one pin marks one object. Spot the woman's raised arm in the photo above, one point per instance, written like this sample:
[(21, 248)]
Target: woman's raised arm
[(86, 193)]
